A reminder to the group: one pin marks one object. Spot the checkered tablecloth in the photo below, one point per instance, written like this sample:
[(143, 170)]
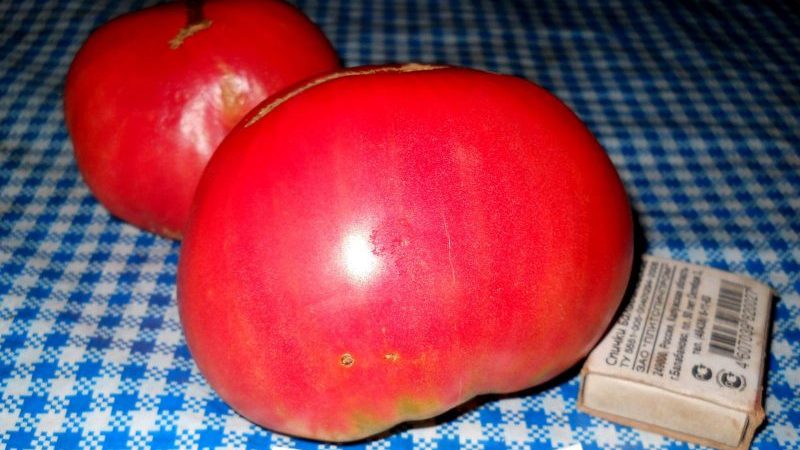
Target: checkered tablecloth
[(698, 105)]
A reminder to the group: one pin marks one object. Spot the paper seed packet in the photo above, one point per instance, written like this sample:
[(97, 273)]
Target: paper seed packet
[(685, 358)]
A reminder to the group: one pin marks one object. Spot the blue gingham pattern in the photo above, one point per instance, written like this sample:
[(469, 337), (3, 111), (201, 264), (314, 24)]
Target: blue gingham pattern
[(698, 105)]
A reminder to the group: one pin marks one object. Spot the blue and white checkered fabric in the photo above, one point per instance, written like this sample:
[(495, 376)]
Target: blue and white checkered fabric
[(698, 105)]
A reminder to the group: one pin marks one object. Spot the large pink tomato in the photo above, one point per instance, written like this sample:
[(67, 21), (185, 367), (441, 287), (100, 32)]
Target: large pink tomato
[(152, 93), (383, 244)]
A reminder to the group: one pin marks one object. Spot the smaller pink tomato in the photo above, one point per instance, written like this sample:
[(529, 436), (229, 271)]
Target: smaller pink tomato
[(151, 94)]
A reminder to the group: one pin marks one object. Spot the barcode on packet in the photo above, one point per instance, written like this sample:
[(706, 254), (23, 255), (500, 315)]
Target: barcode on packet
[(725, 331)]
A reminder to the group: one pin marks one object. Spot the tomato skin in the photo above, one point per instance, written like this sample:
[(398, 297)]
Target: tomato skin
[(146, 109), (389, 243)]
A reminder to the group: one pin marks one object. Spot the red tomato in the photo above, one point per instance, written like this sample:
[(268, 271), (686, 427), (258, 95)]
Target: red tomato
[(152, 93), (381, 245)]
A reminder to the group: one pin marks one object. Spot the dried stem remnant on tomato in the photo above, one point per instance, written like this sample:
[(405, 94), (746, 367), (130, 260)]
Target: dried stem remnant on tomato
[(196, 22)]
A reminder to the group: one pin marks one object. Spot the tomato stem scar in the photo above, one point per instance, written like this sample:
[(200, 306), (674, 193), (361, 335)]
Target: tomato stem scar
[(196, 22)]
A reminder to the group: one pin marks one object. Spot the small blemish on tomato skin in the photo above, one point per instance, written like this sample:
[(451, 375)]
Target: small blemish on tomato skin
[(391, 357), (347, 360)]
